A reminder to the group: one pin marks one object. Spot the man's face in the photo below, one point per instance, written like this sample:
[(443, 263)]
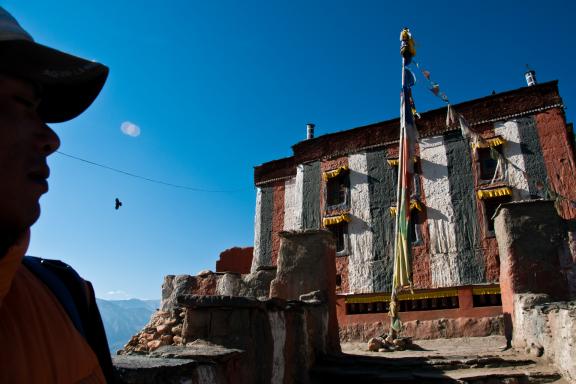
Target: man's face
[(25, 143)]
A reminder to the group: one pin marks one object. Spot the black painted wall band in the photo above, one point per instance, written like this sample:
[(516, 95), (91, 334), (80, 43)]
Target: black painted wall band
[(311, 200), (382, 192), (533, 156), (471, 265), (266, 212)]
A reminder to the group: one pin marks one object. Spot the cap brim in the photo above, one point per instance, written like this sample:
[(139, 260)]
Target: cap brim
[(69, 83)]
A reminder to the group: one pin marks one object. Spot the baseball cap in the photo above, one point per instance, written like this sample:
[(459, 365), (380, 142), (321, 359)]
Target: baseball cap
[(69, 83)]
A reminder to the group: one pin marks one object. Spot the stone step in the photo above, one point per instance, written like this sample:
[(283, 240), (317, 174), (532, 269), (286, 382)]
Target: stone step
[(476, 370), (509, 375), (437, 363)]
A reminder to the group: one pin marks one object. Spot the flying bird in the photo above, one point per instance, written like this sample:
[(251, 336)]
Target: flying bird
[(117, 204)]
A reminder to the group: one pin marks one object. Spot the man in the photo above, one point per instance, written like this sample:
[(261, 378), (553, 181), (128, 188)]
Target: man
[(50, 329)]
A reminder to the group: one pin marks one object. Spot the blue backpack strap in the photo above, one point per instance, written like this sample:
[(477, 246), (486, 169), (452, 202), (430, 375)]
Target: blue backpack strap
[(76, 295), (49, 272)]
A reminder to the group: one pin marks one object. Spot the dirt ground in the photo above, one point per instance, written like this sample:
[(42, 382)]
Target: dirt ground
[(466, 346)]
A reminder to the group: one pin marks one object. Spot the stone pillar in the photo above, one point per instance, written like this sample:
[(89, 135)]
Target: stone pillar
[(529, 235), (307, 263)]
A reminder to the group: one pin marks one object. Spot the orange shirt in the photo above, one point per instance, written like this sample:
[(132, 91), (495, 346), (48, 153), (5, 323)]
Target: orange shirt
[(38, 341)]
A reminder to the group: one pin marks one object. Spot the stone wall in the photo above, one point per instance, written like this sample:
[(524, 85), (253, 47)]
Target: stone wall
[(255, 285), (224, 327), (546, 328), (532, 241), (307, 264)]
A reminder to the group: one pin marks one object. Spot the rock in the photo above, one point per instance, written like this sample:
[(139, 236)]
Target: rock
[(401, 343), (154, 344), (133, 341), (166, 339), (162, 329), (177, 330), (375, 344), (204, 273), (171, 322), (142, 348), (535, 350)]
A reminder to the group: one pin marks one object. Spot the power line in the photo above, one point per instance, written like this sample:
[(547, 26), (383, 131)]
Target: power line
[(145, 178)]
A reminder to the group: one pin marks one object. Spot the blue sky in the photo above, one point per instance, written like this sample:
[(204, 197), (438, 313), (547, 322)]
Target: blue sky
[(217, 87)]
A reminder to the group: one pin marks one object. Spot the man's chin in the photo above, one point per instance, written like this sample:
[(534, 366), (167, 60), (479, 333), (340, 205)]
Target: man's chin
[(34, 215), (31, 217)]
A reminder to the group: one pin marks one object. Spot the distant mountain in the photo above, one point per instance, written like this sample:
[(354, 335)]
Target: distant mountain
[(124, 318)]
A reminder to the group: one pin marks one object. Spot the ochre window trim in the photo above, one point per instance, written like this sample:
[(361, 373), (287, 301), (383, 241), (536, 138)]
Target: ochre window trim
[(394, 162), (493, 142), (334, 173), (438, 294), (333, 220), (414, 204), (484, 194)]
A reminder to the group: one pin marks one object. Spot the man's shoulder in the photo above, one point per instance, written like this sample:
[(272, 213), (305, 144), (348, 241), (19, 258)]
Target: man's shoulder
[(65, 283)]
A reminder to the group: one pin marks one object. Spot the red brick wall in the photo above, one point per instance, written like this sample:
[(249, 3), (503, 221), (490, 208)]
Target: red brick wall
[(558, 157), (277, 218), (421, 273), (489, 244), (475, 320), (342, 270), (235, 259)]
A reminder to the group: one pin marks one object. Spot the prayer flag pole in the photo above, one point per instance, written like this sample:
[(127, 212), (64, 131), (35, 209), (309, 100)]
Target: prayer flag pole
[(402, 276)]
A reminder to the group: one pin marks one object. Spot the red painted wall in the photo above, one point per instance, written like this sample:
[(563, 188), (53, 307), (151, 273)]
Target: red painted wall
[(235, 259), (466, 310), (558, 157), (277, 218)]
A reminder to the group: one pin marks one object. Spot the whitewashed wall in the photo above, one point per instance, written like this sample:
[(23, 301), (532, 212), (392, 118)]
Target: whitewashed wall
[(512, 150), (361, 254), (441, 226)]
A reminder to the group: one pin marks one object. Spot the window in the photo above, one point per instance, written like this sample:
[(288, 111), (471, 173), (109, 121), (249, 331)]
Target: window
[(490, 206), (416, 190), (415, 234), (409, 305), (337, 190), (338, 281), (340, 232), (488, 163), (486, 300)]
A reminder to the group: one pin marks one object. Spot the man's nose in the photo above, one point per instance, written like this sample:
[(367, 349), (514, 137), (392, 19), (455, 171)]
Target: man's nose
[(49, 140)]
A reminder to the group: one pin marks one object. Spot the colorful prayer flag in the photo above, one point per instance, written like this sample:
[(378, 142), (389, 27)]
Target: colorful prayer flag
[(402, 276)]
